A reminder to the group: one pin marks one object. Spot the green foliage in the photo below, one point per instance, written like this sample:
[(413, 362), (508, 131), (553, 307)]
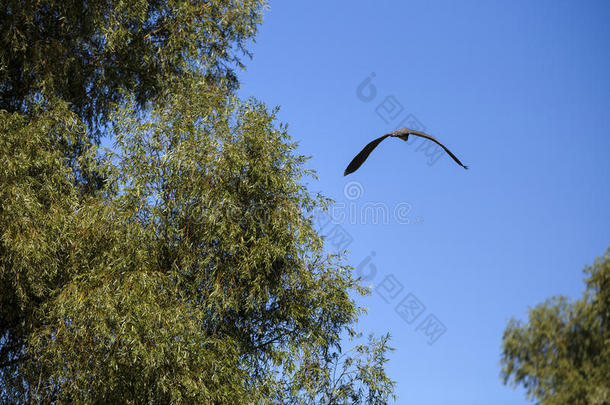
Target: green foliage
[(46, 224), (86, 52), (194, 275), (562, 356), (355, 377), (182, 266)]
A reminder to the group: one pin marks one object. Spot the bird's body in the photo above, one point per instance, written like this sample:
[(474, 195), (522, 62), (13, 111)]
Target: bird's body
[(403, 134)]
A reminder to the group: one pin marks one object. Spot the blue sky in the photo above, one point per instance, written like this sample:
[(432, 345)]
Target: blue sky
[(520, 92)]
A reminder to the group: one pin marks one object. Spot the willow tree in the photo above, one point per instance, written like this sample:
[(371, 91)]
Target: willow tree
[(194, 275), (190, 270), (63, 66), (562, 355)]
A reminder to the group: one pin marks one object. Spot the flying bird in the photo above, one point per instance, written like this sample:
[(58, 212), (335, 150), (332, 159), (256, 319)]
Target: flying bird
[(403, 134)]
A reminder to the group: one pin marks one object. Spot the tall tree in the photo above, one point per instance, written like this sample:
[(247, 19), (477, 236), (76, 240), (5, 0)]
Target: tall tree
[(63, 66), (562, 356), (194, 275), (191, 273)]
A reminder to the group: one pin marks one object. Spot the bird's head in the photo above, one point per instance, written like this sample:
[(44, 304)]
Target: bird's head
[(400, 133)]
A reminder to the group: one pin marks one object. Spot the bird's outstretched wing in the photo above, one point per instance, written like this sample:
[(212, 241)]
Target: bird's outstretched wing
[(364, 153), (424, 135)]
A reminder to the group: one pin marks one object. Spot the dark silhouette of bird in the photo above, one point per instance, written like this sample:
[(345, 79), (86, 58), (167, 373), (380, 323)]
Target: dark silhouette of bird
[(403, 134)]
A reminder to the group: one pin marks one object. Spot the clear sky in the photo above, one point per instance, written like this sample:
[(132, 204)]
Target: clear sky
[(520, 92)]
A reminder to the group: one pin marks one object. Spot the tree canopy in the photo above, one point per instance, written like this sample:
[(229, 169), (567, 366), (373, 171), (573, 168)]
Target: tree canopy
[(87, 52), (562, 355), (190, 272)]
